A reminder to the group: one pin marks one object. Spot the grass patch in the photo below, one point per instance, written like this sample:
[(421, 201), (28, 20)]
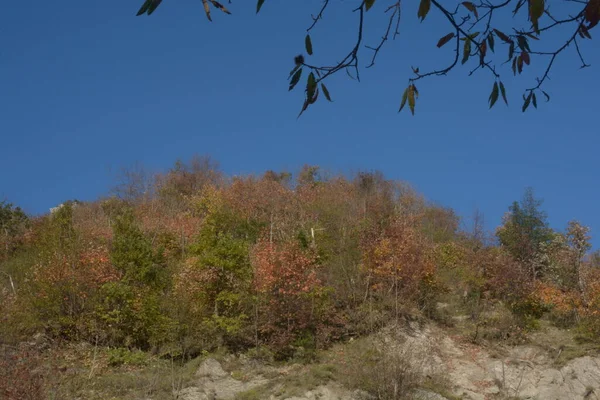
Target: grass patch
[(117, 374)]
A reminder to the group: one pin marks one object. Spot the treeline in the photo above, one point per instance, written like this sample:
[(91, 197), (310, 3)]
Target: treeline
[(191, 260)]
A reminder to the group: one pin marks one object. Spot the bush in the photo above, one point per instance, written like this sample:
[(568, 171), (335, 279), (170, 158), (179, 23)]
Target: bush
[(385, 370), (528, 311), (121, 356)]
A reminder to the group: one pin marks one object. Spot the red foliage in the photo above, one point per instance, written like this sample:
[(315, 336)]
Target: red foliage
[(285, 277), (68, 282), (91, 269), (285, 270)]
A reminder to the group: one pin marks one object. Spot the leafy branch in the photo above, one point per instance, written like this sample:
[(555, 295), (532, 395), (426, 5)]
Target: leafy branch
[(473, 31)]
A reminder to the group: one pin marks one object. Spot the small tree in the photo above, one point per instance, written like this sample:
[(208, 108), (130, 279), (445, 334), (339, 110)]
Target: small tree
[(524, 230), (12, 224), (579, 239)]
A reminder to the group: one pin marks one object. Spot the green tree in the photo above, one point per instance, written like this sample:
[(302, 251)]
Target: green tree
[(132, 253), (475, 30), (220, 256), (13, 222), (132, 309), (524, 230)]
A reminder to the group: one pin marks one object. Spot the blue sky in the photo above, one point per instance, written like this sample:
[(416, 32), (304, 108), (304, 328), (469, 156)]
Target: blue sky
[(88, 88)]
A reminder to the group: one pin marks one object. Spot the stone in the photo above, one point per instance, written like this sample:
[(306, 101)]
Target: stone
[(211, 368)]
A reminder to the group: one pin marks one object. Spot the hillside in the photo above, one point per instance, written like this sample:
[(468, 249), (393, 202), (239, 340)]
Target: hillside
[(317, 282)]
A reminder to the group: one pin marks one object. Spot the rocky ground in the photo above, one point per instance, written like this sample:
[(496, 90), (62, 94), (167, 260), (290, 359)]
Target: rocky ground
[(429, 362), (532, 371)]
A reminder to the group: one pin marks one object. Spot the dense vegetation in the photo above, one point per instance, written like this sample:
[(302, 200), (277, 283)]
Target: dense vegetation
[(191, 260)]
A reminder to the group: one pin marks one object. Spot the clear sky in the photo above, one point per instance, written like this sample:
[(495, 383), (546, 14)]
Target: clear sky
[(87, 88)]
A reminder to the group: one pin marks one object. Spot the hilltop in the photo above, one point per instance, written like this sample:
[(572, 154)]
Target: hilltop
[(277, 281)]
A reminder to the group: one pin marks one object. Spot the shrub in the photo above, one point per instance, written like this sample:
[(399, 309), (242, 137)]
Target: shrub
[(386, 371), (122, 356)]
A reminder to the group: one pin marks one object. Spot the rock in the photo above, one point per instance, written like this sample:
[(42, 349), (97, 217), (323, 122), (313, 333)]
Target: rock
[(211, 368), (330, 391), (473, 395), (362, 395), (422, 394), (520, 372), (192, 393)]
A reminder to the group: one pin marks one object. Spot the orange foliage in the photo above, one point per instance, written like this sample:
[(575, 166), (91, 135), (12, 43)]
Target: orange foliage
[(90, 270), (398, 257), (285, 277), (284, 269), (561, 301), (154, 219)]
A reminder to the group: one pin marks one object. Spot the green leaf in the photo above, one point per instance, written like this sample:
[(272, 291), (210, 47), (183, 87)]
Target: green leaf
[(494, 95), (325, 92), (369, 4), (148, 7), (404, 98), (304, 107), (144, 7), (259, 5), (295, 79), (518, 6), (294, 70), (511, 50), (527, 101), (523, 43), (490, 39), (424, 8), (471, 7), (503, 36), (520, 64), (503, 92), (536, 10), (412, 91), (308, 45), (315, 96), (311, 86), (466, 50), (445, 39)]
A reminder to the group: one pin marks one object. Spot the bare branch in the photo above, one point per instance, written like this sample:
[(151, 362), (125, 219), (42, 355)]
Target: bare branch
[(319, 15), (395, 15)]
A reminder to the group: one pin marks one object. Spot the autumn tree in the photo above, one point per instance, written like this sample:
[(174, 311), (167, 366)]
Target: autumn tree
[(400, 273), (185, 179), (290, 295), (482, 34), (579, 240), (68, 272)]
